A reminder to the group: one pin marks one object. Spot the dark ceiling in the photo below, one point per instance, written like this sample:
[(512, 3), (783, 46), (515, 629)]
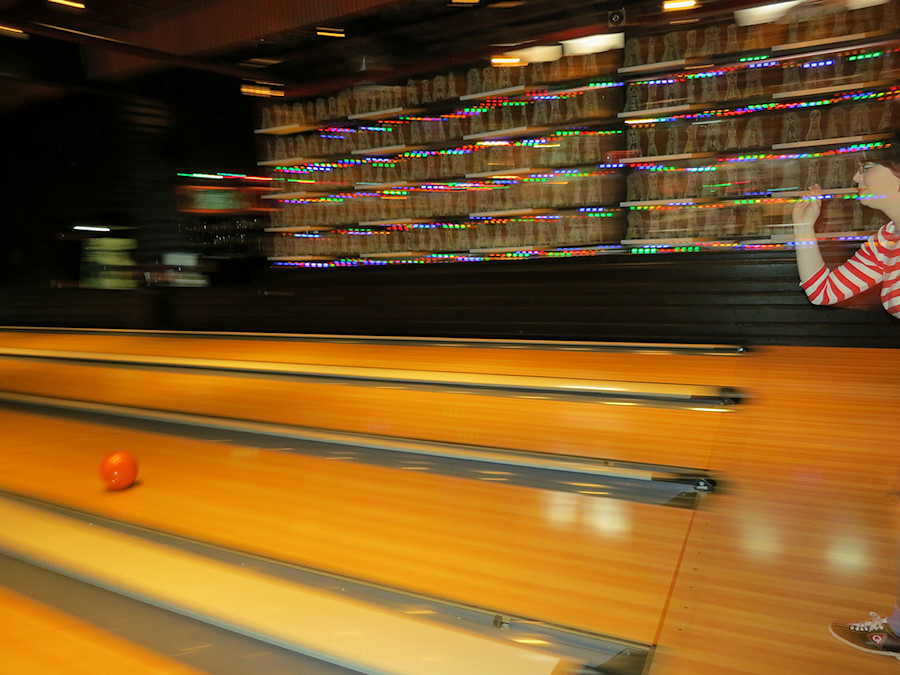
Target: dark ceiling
[(384, 39)]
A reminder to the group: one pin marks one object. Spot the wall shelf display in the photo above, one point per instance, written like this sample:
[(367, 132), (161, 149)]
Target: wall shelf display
[(691, 132)]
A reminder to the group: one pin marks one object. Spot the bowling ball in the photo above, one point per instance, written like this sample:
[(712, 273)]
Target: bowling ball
[(118, 470)]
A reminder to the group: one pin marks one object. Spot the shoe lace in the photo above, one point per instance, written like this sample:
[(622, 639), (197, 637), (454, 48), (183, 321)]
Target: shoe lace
[(875, 622)]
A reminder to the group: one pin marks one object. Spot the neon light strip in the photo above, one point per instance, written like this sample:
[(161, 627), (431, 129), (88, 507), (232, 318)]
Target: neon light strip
[(563, 252)]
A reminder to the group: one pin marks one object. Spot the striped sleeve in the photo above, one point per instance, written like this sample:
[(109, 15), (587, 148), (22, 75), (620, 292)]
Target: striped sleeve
[(860, 273)]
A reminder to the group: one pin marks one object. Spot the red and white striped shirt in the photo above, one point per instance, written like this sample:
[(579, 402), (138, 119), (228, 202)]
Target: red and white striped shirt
[(877, 261)]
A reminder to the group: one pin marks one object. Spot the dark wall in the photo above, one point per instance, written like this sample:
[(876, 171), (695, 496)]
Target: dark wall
[(748, 298)]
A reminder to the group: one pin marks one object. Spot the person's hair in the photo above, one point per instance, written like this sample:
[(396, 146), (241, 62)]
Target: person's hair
[(889, 154)]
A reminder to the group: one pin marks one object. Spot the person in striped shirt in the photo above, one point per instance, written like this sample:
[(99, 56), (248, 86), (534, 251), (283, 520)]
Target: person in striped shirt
[(877, 261)]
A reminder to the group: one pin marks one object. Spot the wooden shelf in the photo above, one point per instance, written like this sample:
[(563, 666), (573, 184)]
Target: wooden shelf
[(292, 161), (505, 133), (650, 159), (509, 212), (684, 107), (650, 67), (831, 141), (386, 150), (506, 91), (286, 129), (387, 113), (834, 40), (842, 87)]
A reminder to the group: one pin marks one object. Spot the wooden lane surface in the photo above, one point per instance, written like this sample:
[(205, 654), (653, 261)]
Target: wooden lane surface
[(803, 532), (647, 366), (596, 564), (592, 429), (39, 640)]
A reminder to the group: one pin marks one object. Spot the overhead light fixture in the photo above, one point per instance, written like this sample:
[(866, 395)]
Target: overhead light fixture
[(324, 31), (9, 31), (763, 14), (91, 228), (506, 61), (263, 89), (674, 5), (543, 54), (69, 3), (464, 2), (593, 44)]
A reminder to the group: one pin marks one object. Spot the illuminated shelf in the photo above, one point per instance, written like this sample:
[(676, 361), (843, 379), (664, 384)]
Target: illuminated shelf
[(674, 241), (308, 194), (291, 161), (393, 254), (299, 258), (845, 87), (826, 192), (825, 41), (509, 212), (651, 159), (387, 113), (385, 150), (385, 186), (647, 67), (831, 141), (684, 107), (675, 201), (502, 249), (506, 91), (286, 129), (393, 221), (499, 173), (505, 133)]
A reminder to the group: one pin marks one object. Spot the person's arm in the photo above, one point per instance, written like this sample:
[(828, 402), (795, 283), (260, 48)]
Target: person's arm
[(806, 212), (828, 287)]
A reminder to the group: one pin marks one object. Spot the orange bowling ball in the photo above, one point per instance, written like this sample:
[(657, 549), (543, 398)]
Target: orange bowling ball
[(118, 470)]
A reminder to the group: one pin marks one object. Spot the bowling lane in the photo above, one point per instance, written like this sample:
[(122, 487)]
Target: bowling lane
[(649, 363), (610, 430), (38, 639), (600, 565)]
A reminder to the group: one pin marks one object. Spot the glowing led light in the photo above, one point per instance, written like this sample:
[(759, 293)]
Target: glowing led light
[(12, 32), (68, 3), (506, 61), (90, 228), (324, 31), (672, 5)]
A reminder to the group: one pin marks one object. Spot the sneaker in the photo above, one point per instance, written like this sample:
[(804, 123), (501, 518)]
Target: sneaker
[(873, 636)]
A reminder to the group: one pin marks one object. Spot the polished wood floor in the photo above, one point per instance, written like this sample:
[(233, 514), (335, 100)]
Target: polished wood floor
[(39, 640), (802, 530)]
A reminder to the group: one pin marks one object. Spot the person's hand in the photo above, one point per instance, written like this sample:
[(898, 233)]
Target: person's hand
[(807, 208)]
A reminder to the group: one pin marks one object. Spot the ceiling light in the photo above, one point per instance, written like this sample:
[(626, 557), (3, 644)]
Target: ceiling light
[(68, 3), (506, 61), (9, 31), (764, 14), (330, 32), (671, 5), (593, 44), (537, 54), (259, 89)]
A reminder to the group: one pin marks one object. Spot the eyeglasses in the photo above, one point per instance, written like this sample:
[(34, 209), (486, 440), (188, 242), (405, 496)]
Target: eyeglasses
[(862, 167)]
